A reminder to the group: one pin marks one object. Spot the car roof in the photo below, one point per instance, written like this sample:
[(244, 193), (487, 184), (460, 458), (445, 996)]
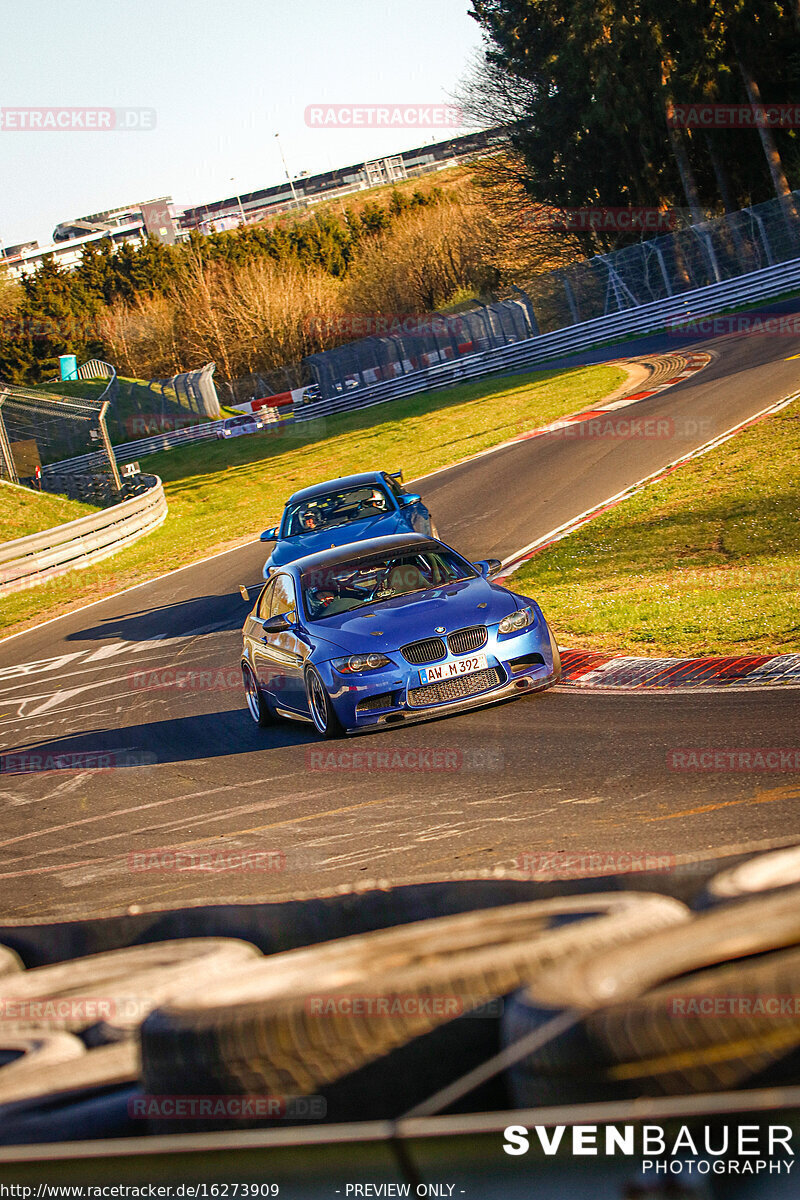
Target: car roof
[(318, 489), (365, 549)]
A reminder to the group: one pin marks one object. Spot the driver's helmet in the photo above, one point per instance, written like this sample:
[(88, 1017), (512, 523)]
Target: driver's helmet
[(320, 598), (309, 519)]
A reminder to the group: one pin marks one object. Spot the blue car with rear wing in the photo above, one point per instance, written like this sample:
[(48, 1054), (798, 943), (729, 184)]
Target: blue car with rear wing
[(388, 631), (356, 508)]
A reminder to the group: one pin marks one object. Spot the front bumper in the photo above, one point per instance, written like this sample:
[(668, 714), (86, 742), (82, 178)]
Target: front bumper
[(520, 685), (394, 683)]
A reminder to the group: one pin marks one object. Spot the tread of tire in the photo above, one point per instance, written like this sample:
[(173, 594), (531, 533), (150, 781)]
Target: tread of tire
[(259, 1033)]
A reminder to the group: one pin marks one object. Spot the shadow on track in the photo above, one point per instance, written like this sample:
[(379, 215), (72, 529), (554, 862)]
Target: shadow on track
[(186, 618), (146, 745)]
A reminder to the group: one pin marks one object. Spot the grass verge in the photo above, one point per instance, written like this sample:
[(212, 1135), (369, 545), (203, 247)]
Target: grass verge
[(706, 561), (222, 494), (23, 511)]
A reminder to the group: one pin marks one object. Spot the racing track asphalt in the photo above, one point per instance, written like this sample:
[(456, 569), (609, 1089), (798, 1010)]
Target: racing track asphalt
[(187, 771)]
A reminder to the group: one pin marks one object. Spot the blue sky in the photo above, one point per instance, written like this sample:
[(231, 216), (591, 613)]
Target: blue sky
[(223, 76)]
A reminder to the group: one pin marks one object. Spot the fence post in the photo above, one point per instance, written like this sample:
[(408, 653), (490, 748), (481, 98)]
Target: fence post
[(112, 462)]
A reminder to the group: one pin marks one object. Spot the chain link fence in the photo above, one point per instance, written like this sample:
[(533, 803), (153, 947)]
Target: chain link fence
[(39, 429), (661, 267), (697, 256), (413, 343)]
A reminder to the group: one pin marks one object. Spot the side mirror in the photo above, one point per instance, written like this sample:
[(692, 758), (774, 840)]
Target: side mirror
[(409, 498), (243, 592), (487, 566), (277, 624), (269, 535)]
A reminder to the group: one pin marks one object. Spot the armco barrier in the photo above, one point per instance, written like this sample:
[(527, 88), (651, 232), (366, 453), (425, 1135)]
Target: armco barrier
[(29, 560), (644, 318)]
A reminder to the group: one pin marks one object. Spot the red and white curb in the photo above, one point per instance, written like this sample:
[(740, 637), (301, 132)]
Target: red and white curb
[(587, 669)]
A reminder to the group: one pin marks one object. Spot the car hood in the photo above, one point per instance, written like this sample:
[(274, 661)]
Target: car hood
[(381, 525), (386, 626)]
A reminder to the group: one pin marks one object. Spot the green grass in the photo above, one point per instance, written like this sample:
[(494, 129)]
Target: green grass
[(23, 511), (705, 561), (222, 494)]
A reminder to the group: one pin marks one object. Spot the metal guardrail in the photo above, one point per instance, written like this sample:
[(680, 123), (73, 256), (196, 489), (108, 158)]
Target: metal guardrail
[(30, 560), (151, 445), (645, 318)]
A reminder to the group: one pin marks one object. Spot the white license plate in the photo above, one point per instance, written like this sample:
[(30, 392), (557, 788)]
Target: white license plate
[(462, 666)]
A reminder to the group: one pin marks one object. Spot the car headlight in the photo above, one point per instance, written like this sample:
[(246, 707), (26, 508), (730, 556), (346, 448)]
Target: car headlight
[(518, 620), (357, 663)]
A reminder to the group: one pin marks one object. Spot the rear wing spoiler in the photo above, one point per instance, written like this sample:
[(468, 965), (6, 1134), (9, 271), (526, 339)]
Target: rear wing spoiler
[(398, 475)]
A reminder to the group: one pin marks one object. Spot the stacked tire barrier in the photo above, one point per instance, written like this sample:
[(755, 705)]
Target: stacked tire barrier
[(28, 561), (220, 1005)]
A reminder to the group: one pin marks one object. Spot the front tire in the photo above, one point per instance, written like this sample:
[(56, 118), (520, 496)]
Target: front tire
[(320, 707), (256, 704)]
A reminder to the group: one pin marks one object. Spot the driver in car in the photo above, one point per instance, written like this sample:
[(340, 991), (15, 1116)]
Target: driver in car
[(309, 519), (318, 600)]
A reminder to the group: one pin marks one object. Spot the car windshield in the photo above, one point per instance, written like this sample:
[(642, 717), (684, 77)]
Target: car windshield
[(328, 591), (335, 508)]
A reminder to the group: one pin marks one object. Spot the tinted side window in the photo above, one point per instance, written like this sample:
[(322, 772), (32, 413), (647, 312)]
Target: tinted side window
[(393, 485), (283, 600)]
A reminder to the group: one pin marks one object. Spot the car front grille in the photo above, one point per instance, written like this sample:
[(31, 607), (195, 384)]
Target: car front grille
[(427, 651), (457, 688), (465, 640)]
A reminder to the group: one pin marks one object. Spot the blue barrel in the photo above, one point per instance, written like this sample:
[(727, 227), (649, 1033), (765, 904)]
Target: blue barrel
[(69, 366)]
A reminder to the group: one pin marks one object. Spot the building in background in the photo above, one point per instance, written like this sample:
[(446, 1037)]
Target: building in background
[(169, 223), (132, 223), (311, 189)]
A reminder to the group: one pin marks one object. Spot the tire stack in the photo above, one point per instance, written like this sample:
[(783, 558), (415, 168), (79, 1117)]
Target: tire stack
[(712, 1006), (657, 1000), (70, 1031), (339, 1021)]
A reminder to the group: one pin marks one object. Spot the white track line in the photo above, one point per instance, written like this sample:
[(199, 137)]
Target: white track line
[(520, 556)]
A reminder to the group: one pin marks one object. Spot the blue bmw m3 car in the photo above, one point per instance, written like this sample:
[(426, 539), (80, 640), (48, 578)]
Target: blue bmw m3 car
[(352, 509), (387, 631)]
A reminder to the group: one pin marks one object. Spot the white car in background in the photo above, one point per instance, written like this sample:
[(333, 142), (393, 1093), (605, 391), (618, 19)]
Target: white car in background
[(236, 426)]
